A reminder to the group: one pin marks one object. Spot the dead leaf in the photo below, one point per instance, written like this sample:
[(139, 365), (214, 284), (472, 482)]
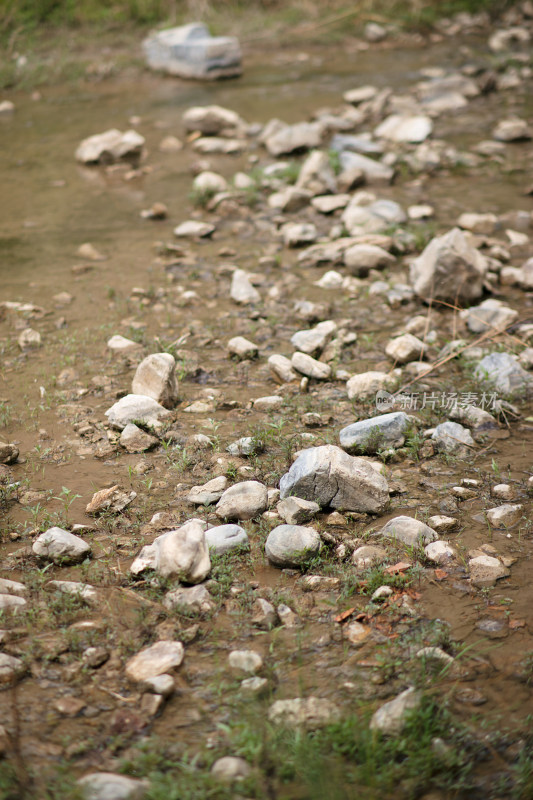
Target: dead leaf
[(394, 569), (517, 623), (345, 615), (440, 574)]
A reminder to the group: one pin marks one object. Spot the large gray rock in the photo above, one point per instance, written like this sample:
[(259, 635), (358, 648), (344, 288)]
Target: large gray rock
[(449, 269), (291, 545), (376, 433), (155, 377), (225, 538), (504, 373), (331, 477), (136, 408), (451, 437), (61, 547), (243, 501), (409, 531), (190, 51), (489, 314), (113, 145), (109, 786)]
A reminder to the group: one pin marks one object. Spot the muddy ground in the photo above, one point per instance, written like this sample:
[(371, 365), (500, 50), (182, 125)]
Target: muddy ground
[(177, 299)]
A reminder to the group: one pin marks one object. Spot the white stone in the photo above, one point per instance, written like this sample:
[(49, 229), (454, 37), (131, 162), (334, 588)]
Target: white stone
[(308, 712), (490, 314), (136, 408), (390, 718), (402, 128), (310, 366), (10, 668), (110, 786), (194, 229), (504, 372), (209, 492), (155, 377), (442, 524), (135, 440), (225, 538), (485, 224), (296, 511), (268, 403), (281, 368), (190, 51), (411, 532), (316, 175), (244, 500), (230, 768), (61, 547), (12, 587), (297, 234), (10, 602), (113, 145), (245, 661), (122, 346), (405, 348), (291, 545), (193, 598), (439, 552), (242, 290), (29, 339), (155, 660), (512, 130), (83, 591), (209, 182), (288, 138), (367, 555), (361, 258), (451, 437), (486, 570), (366, 384), (375, 433), (314, 340), (243, 348), (505, 516), (183, 553)]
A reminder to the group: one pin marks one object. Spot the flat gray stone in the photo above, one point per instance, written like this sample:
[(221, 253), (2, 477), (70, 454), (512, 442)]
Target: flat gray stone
[(189, 51), (451, 437), (504, 373), (296, 511), (390, 718), (157, 659), (109, 786), (61, 547), (244, 500), (376, 433), (136, 408), (225, 538)]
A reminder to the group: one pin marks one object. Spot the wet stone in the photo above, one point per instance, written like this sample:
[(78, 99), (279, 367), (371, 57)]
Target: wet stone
[(209, 493), (225, 538), (136, 408), (291, 545), (245, 661), (505, 516)]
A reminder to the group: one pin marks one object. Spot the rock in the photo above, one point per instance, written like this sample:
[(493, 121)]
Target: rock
[(11, 602), (360, 95), (89, 252), (476, 418), (361, 217), (225, 538), (405, 348), (245, 446), (155, 377), (160, 684), (439, 552), (314, 340), (356, 633), (402, 128), (308, 712), (381, 593), (183, 553), (245, 661), (6, 107), (271, 402), (310, 366), (485, 224), (451, 437), (442, 524), (135, 440), (486, 570), (449, 269), (209, 493), (409, 531), (193, 598), (136, 408), (12, 587), (316, 175), (367, 384), (374, 32), (296, 511), (9, 453), (109, 786), (489, 314), (503, 491), (242, 290), (208, 182), (289, 199), (213, 120), (512, 130), (189, 51), (373, 171), (244, 500), (281, 368), (29, 339), (155, 660), (390, 718), (254, 687), (329, 203), (82, 591), (242, 348), (291, 545), (193, 229), (376, 433), (112, 500), (122, 346), (505, 516), (10, 668), (506, 39), (367, 555), (265, 615), (170, 144), (61, 547), (291, 138), (230, 768), (296, 234), (504, 373), (361, 258), (330, 477), (69, 706), (111, 146)]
